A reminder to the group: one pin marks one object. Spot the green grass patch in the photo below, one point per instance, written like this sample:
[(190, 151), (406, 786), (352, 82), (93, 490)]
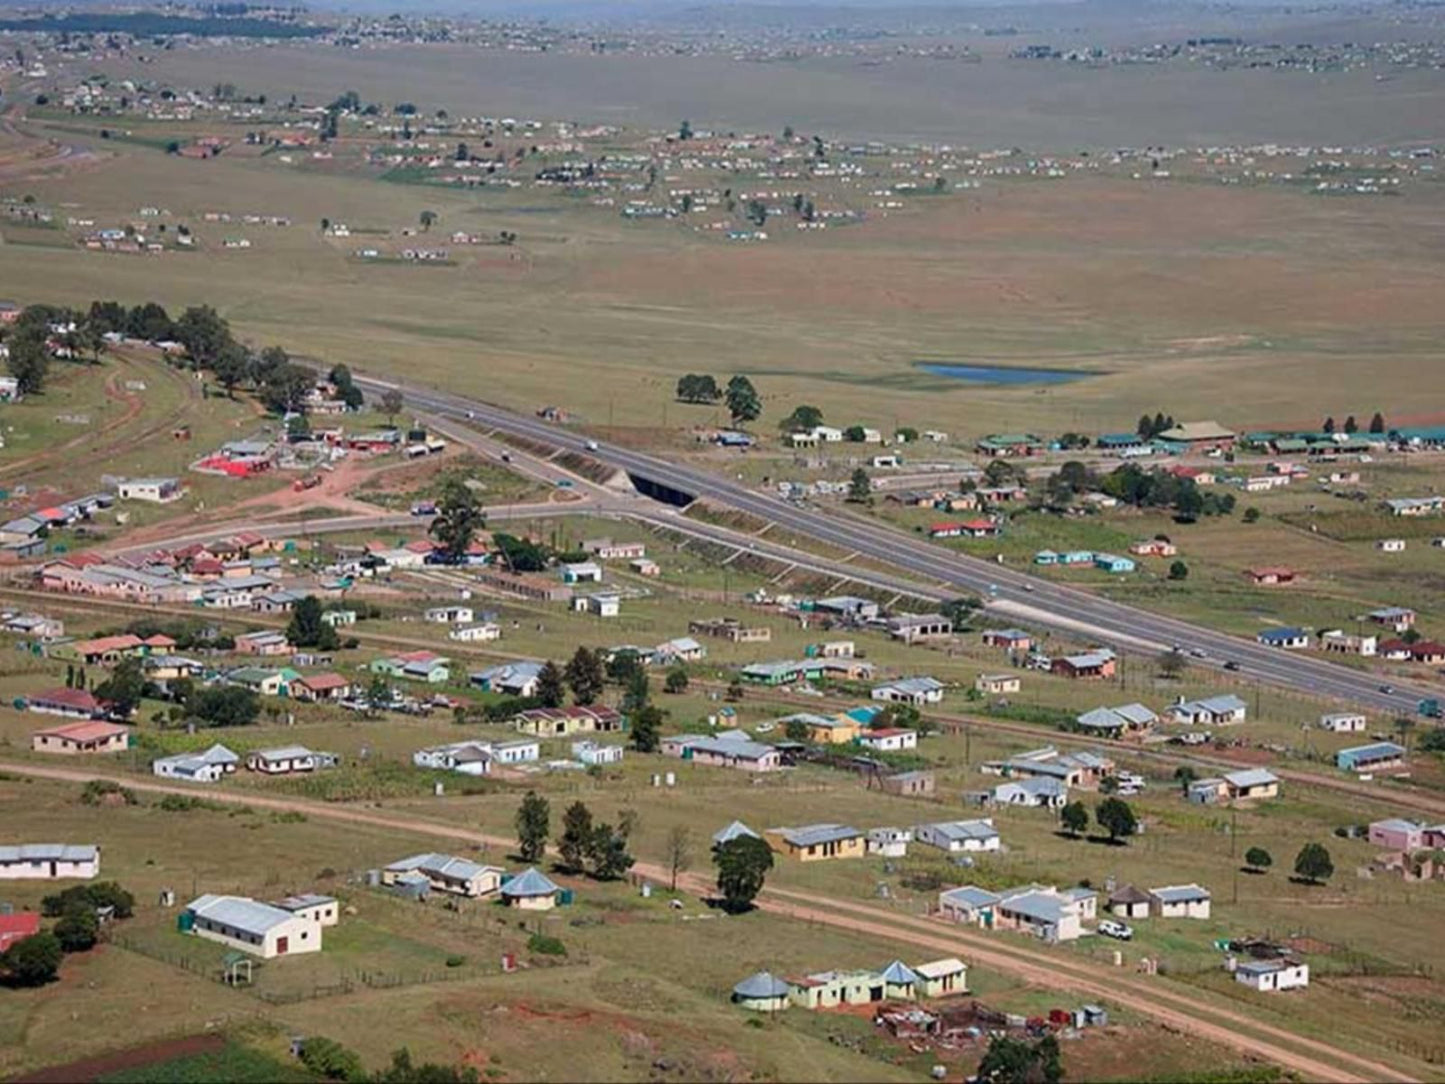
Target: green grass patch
[(233, 1064)]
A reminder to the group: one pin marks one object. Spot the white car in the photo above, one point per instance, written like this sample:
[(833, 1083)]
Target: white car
[(591, 445), (1120, 931)]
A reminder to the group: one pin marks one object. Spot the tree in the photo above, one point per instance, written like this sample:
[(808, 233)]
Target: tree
[(906, 434), (742, 866), (684, 131), (584, 675), (391, 403), (550, 690), (78, 930), (458, 519), (1116, 817), (1258, 859), (803, 419), (1313, 864), (1351, 426), (608, 851), (306, 628), (1075, 818), (855, 434), (1018, 1061), (1329, 426), (742, 400), (1377, 423), (329, 1060), (577, 835), (403, 1070), (124, 688), (638, 693), (860, 487), (463, 153), (1404, 725), (520, 554), (426, 218), (1432, 741), (203, 332), (1178, 571), (796, 730), (1171, 665), (33, 961), (676, 681), (698, 388), (231, 365), (1251, 515), (646, 725), (679, 852), (224, 706), (1184, 775), (534, 825)]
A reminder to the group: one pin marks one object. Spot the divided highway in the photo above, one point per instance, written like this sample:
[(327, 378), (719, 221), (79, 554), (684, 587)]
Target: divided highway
[(1007, 590)]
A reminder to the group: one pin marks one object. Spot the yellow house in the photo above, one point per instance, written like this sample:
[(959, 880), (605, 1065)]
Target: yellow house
[(997, 683), (826, 729), (817, 842)]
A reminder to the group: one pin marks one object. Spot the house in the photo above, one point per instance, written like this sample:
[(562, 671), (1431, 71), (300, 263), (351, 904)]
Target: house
[(682, 649), (1081, 769), (1288, 638), (1415, 506), (1044, 911), (209, 766), (562, 722), (467, 757), (1180, 901), (914, 784), (594, 755), (1251, 783), (530, 891), (423, 666), (1398, 618), (18, 925), (958, 837), (263, 643), (1339, 642), (1270, 575), (892, 739), (1089, 666), (913, 628), (1000, 445), (942, 978), (830, 989), (37, 626), (645, 566), (735, 830), (761, 992), (321, 688), (81, 739), (1268, 976), (517, 679), (1397, 834), (917, 691), (48, 861), (1129, 902), (848, 606), (68, 703), (825, 729), (603, 604), (1009, 639), (1211, 711), (256, 928), (154, 490), (260, 680), (996, 684), (816, 842), (730, 749), (1343, 722), (1197, 435), (604, 549), (1390, 545), (1421, 651), (1374, 757), (275, 602), (1109, 562), (582, 572), (889, 842), (523, 584), (286, 760), (1153, 547), (730, 628), (476, 633), (1116, 722), (445, 873), (322, 910), (1031, 793), (448, 615)]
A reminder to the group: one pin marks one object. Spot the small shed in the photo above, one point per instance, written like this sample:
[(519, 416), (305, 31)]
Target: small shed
[(1129, 902), (531, 891)]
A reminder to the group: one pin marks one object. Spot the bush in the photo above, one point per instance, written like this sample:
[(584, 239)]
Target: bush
[(88, 898), (77, 931), (100, 792), (330, 1060), (545, 945), (456, 961), (33, 961)]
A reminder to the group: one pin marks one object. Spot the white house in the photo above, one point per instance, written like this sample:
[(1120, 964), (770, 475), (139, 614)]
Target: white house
[(594, 755), (1268, 976), (1343, 722), (48, 861), (445, 873), (958, 837), (1211, 711), (476, 633), (1390, 545), (257, 928), (283, 760), (449, 615), (155, 490), (889, 842), (915, 690), (209, 766), (892, 739), (1181, 901), (1041, 792), (600, 605)]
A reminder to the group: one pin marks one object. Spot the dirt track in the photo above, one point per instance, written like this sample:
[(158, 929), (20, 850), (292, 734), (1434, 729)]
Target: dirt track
[(1152, 997)]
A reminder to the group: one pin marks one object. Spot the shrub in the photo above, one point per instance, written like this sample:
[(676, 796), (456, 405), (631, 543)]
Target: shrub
[(456, 961), (545, 945)]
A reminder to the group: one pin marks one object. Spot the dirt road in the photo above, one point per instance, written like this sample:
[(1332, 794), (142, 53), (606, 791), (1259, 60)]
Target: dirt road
[(1311, 1059)]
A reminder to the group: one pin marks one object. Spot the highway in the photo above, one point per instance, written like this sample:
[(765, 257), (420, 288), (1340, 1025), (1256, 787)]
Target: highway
[(1007, 591)]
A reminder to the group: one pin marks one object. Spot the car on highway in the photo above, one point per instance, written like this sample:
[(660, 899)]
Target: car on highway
[(1199, 652), (591, 445), (1119, 931), (1030, 588), (1231, 665), (1387, 689)]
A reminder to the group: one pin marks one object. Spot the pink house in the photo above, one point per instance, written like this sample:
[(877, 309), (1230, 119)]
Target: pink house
[(1397, 834)]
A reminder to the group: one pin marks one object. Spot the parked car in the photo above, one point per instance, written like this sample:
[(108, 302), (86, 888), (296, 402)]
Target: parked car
[(1119, 931)]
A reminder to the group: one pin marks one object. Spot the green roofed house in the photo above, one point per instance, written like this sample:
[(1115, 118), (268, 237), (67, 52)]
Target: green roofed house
[(531, 891), (1209, 434), (1000, 445), (761, 992)]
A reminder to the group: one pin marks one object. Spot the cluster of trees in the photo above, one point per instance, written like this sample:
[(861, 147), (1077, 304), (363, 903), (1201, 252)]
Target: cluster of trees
[(459, 517), (740, 396), (1019, 1061), (1159, 489), (329, 1060), (586, 674), (1377, 424), (306, 628), (585, 845), (1114, 815), (36, 960), (1149, 428)]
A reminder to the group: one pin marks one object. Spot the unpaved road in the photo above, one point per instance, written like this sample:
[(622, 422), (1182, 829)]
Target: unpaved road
[(1311, 1059)]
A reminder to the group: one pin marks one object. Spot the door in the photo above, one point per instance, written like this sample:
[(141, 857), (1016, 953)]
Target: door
[(282, 945)]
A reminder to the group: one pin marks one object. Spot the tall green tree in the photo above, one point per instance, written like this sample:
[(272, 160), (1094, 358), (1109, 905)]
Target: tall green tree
[(551, 693), (34, 961), (1075, 818), (306, 628), (78, 930), (1116, 817), (742, 868), (124, 688), (608, 852), (459, 517), (742, 400), (1019, 1061), (1258, 859), (802, 419), (1313, 864), (860, 487), (534, 825), (645, 725), (204, 333), (575, 843), (584, 675)]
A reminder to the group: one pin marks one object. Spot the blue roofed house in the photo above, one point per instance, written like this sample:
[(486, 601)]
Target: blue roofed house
[(1211, 711), (208, 766), (762, 992), (1113, 562), (735, 830), (1045, 911), (1288, 637), (1376, 756), (531, 891), (511, 679), (1116, 722), (1037, 793), (958, 837)]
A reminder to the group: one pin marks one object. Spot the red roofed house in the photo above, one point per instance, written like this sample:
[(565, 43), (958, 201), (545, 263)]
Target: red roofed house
[(74, 739), (946, 530), (1271, 576), (17, 927), (318, 687), (70, 703), (1427, 651), (105, 649)]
